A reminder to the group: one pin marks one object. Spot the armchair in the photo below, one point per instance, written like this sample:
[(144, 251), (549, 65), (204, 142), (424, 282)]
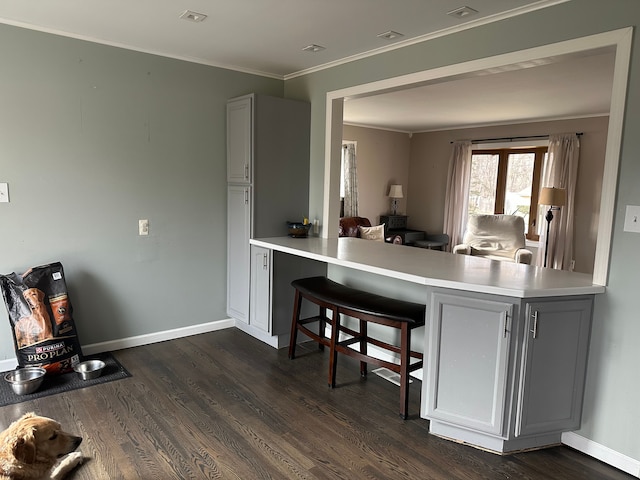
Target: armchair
[(497, 237), (349, 228)]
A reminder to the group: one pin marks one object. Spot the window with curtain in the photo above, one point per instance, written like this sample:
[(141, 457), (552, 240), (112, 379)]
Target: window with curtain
[(344, 151), (507, 181), (348, 181)]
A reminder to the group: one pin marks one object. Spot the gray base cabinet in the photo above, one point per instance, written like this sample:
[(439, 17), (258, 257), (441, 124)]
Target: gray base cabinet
[(470, 340), (505, 374), (260, 296), (238, 226), (553, 366), (271, 299)]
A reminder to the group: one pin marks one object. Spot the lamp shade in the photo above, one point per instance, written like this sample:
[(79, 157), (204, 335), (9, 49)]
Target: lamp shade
[(553, 196), (395, 191)]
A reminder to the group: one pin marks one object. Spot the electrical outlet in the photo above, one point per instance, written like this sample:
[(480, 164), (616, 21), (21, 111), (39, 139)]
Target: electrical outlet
[(143, 227), (632, 219)]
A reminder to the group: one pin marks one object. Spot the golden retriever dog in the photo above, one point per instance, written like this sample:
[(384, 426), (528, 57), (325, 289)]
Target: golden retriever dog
[(36, 448), (37, 326)]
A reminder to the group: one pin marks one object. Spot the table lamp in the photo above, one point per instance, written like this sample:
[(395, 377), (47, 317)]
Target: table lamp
[(395, 192)]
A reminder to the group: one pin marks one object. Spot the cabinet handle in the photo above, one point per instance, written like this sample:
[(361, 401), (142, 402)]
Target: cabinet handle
[(505, 332), (534, 315), (264, 261), (246, 171), (246, 196)]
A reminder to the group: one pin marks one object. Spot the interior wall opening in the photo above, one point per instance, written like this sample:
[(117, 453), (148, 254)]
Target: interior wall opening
[(620, 40)]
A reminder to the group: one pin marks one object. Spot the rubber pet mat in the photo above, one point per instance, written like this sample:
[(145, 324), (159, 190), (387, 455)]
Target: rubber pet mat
[(66, 382)]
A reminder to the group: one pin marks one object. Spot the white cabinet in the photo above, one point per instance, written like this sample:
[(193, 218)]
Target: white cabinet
[(554, 360), (260, 298), (468, 353), (268, 182), (505, 374), (238, 227), (271, 299), (239, 140)]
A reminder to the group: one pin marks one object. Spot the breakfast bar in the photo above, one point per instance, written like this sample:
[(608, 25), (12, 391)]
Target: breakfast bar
[(505, 345)]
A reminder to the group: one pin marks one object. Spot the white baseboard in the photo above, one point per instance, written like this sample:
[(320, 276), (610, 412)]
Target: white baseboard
[(604, 454), (275, 341), (11, 363)]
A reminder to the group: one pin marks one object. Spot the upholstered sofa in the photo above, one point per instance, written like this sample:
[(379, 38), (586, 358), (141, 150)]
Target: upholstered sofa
[(349, 228), (497, 237)]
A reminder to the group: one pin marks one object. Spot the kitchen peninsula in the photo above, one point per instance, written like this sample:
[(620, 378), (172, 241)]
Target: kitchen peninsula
[(505, 344)]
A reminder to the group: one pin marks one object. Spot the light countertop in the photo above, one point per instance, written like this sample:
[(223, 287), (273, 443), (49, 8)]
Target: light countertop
[(435, 268)]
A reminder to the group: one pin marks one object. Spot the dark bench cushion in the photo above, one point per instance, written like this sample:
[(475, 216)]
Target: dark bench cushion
[(369, 303)]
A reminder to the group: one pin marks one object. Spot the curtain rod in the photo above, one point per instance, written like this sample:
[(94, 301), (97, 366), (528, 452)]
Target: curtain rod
[(511, 139)]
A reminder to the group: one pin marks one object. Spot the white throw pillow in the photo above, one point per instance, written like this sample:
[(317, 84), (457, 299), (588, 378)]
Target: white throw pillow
[(372, 233)]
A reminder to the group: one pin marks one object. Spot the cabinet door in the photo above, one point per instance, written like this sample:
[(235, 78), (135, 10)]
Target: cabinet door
[(553, 366), (238, 234), (260, 304), (468, 342), (239, 140)]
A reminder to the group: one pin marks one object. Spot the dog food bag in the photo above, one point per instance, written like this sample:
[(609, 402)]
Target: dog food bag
[(40, 313)]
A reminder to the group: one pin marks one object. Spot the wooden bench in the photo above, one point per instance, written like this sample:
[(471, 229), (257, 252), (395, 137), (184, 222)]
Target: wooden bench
[(366, 307)]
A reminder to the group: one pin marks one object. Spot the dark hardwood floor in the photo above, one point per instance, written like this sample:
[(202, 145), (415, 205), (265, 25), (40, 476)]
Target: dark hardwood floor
[(224, 405)]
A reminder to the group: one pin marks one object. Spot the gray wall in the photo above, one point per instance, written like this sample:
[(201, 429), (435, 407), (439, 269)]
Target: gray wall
[(613, 392), (93, 138)]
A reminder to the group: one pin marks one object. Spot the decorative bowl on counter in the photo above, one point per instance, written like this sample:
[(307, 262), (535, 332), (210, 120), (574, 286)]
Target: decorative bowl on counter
[(298, 229), (25, 380)]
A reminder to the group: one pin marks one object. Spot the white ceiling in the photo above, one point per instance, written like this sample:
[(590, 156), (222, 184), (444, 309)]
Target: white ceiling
[(552, 89), (267, 36), (260, 36)]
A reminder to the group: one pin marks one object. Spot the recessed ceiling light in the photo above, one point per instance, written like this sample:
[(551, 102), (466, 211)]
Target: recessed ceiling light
[(462, 12), (193, 16), (313, 48), (390, 35)]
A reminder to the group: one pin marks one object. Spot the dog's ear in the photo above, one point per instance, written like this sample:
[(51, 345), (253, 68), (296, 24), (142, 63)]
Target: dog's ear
[(24, 447)]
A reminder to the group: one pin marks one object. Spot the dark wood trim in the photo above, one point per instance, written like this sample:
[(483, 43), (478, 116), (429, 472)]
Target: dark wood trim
[(501, 182)]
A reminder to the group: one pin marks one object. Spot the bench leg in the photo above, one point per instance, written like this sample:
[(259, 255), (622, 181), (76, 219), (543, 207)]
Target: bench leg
[(297, 304), (405, 351), (333, 354), (363, 347), (322, 324)]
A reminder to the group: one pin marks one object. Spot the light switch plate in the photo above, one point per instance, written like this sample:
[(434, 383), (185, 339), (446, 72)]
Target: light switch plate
[(4, 193), (632, 219)]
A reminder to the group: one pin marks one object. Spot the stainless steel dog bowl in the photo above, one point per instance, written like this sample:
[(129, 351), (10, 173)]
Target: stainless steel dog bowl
[(89, 369), (25, 380)]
